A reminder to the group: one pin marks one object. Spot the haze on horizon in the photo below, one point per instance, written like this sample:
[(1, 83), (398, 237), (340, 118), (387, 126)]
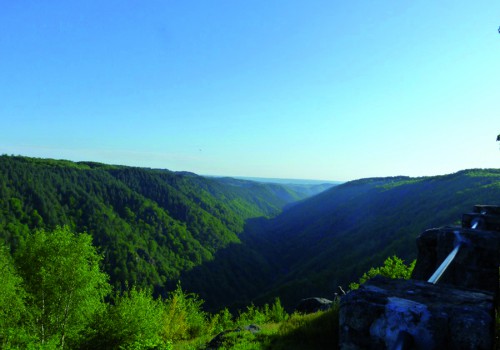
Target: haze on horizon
[(328, 90)]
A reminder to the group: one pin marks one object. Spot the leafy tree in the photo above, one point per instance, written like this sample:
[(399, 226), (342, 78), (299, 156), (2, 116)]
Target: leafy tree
[(135, 321), (221, 321), (12, 305), (253, 314), (65, 285), (277, 313), (183, 317), (393, 267)]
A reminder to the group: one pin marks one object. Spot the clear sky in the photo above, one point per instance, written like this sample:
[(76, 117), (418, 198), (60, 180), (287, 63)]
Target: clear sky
[(333, 90)]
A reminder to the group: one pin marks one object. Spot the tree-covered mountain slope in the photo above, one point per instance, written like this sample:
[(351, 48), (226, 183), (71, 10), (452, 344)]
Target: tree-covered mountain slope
[(331, 239), (229, 240), (149, 224)]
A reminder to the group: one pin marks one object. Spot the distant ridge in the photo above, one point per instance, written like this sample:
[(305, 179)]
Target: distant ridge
[(284, 181)]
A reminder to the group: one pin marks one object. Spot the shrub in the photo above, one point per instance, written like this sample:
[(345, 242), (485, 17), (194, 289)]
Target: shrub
[(393, 267), (277, 313), (133, 322), (183, 317), (221, 321), (252, 314)]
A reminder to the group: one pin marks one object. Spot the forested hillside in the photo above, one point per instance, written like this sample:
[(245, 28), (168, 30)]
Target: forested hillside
[(149, 224), (232, 241), (332, 238)]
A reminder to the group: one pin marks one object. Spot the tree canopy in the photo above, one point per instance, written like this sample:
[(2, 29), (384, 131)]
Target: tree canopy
[(150, 225), (64, 282)]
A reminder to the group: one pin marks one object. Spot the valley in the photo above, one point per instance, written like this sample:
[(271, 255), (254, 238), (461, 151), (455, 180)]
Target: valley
[(232, 241)]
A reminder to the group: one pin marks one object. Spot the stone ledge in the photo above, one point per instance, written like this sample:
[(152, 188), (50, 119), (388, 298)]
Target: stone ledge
[(436, 317), (474, 267)]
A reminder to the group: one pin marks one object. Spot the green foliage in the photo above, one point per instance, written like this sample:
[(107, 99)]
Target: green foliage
[(312, 331), (150, 225), (253, 314), (221, 321), (12, 303), (277, 313), (393, 267), (154, 227), (65, 285), (135, 321), (331, 239), (265, 314), (243, 340), (183, 317)]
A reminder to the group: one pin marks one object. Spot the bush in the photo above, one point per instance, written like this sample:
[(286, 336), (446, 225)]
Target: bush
[(253, 315), (183, 317), (277, 313), (221, 321), (133, 322), (393, 267)]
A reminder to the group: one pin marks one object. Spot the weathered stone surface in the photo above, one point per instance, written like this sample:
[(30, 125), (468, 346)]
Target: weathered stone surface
[(310, 305), (429, 316), (475, 265)]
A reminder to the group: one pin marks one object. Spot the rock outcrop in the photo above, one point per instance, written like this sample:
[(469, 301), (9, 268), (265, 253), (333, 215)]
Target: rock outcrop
[(430, 316), (448, 304)]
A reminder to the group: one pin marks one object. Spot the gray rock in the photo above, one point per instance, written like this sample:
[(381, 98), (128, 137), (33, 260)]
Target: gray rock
[(252, 328), (383, 311), (310, 305)]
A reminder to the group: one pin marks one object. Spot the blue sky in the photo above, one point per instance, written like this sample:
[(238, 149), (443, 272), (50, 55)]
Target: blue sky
[(333, 90)]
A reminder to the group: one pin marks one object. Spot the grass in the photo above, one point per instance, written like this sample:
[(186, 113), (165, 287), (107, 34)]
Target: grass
[(316, 331), (312, 331)]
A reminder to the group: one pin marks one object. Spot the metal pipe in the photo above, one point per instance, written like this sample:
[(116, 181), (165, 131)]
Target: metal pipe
[(444, 265), (475, 224), (459, 240)]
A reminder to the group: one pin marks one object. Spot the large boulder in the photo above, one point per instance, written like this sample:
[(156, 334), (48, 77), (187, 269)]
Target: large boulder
[(383, 311)]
